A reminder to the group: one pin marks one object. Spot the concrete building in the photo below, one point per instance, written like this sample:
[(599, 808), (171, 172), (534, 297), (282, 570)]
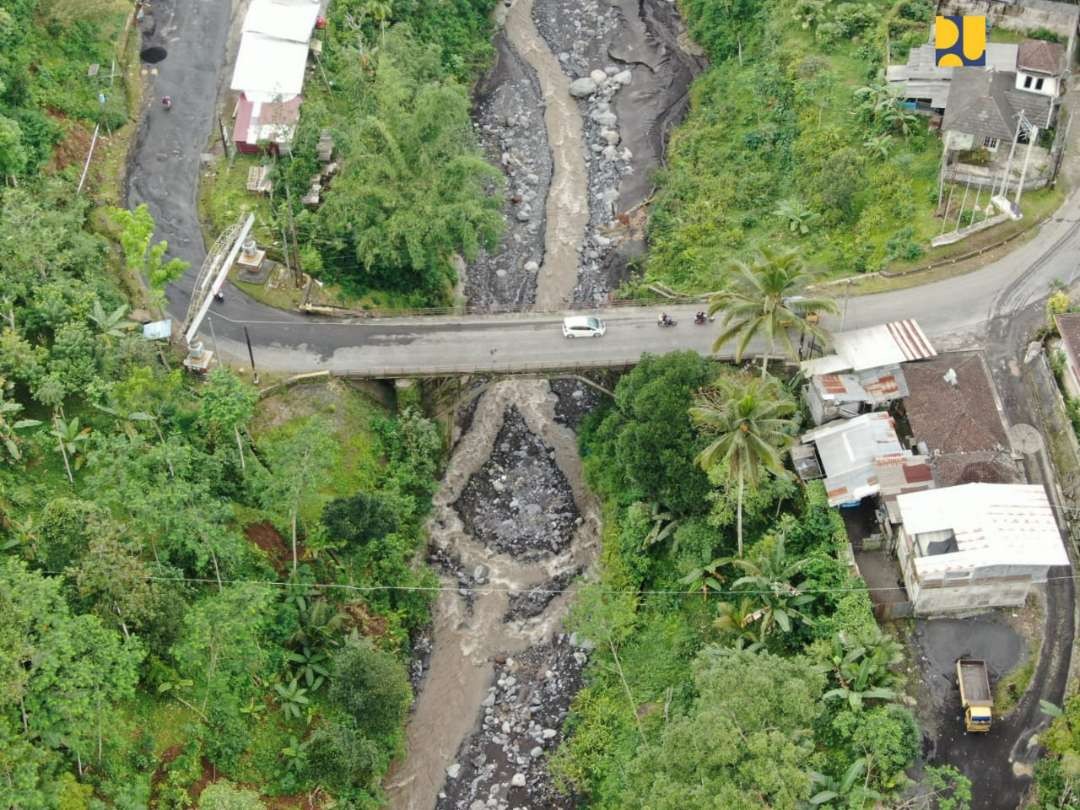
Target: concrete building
[(976, 546), (863, 373)]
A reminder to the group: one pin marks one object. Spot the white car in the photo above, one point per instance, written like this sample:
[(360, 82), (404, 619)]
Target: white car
[(583, 326)]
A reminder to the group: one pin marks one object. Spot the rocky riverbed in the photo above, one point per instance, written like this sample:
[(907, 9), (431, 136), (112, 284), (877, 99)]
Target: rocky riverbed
[(509, 118), (574, 111)]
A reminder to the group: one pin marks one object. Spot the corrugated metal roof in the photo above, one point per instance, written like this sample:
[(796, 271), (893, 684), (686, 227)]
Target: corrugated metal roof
[(849, 449), (268, 68), (873, 347), (994, 524)]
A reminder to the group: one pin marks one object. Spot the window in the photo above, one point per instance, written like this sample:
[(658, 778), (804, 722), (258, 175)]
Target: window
[(1038, 84), (990, 143), (1027, 82)]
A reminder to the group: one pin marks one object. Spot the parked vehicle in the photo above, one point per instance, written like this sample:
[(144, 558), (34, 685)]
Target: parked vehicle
[(975, 696), (583, 326)]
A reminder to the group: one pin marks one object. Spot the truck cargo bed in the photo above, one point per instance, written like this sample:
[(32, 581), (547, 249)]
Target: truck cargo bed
[(974, 685)]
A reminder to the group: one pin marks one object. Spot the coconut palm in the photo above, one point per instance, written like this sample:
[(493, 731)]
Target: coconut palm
[(767, 298), (750, 419)]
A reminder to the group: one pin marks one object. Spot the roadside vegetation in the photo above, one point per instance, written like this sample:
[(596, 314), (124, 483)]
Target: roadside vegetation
[(184, 568), (735, 672), (392, 88), (794, 140)]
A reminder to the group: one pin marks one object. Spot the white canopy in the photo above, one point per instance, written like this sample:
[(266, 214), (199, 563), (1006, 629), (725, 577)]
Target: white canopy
[(291, 20), (269, 69)]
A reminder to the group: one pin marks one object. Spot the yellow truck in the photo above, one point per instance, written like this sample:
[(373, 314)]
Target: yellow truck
[(975, 696)]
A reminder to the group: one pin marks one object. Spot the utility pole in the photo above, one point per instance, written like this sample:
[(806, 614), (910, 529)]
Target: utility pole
[(1012, 150), (1033, 135), (251, 357), (298, 272), (224, 137)]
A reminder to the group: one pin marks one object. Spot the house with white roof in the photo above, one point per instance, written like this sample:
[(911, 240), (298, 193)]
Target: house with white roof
[(976, 546), (270, 70), (864, 372)]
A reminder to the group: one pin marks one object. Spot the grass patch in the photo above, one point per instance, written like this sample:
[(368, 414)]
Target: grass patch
[(224, 199), (1011, 688), (359, 464), (1036, 204)]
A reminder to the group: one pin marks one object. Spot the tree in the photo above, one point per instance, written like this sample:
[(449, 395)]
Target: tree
[(644, 447), (370, 687), (414, 189), (114, 582), (750, 419), (13, 157), (745, 742), (60, 674), (300, 464), (228, 403), (223, 645), (142, 257), (767, 299), (360, 519)]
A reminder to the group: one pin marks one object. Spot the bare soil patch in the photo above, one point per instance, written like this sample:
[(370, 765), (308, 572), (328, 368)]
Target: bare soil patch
[(270, 541)]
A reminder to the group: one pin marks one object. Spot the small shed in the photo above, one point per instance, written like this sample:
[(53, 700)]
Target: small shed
[(849, 450)]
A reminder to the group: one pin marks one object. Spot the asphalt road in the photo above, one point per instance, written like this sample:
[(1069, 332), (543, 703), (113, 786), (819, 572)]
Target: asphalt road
[(995, 306)]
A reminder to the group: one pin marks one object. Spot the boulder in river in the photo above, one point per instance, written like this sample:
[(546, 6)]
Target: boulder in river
[(583, 87)]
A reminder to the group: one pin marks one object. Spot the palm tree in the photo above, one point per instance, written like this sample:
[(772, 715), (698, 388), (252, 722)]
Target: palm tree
[(767, 298), (70, 438), (750, 419)]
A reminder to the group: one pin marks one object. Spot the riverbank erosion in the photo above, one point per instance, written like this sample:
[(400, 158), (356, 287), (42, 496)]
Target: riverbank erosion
[(480, 627)]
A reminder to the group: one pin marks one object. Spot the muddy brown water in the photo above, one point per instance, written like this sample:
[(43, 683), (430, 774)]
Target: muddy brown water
[(466, 643), (567, 200)]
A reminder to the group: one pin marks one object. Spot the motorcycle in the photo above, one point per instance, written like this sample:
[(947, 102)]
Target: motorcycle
[(664, 320), (166, 102)]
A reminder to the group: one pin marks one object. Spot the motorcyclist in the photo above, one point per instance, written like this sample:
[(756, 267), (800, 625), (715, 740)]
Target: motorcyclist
[(699, 318), (166, 102)]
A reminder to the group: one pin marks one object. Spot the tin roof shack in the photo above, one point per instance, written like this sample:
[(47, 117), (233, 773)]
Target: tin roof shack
[(976, 546), (849, 451), (270, 70), (952, 410), (864, 371)]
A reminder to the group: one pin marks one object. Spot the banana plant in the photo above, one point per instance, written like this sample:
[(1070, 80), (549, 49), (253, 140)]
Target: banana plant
[(292, 698), (706, 578), (9, 425), (312, 667), (863, 672), (847, 791), (111, 324), (70, 439), (664, 524), (294, 754)]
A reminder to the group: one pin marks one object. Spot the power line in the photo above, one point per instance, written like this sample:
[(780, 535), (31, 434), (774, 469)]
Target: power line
[(488, 589)]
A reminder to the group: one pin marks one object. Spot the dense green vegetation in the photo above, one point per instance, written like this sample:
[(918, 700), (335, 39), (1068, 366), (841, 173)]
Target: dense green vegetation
[(414, 189), (182, 565), (46, 49), (792, 140), (719, 679)]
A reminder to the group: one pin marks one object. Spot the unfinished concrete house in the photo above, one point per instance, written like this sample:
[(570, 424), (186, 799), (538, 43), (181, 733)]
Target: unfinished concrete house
[(976, 546)]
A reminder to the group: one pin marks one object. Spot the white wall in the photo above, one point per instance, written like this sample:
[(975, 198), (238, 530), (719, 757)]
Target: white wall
[(1049, 83)]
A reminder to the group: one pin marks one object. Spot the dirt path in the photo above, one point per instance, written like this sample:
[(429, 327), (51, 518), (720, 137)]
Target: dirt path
[(473, 635), (567, 199)]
